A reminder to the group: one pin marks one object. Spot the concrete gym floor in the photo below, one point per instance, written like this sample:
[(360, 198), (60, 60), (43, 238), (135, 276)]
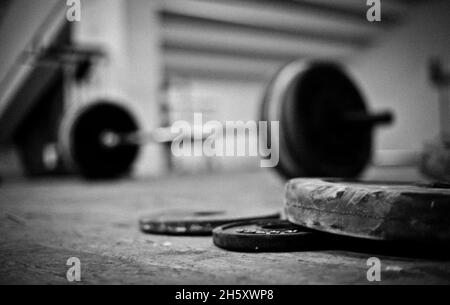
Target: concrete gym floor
[(45, 223)]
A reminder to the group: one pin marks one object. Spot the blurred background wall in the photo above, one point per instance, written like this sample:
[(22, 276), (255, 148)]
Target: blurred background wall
[(394, 74), (168, 59)]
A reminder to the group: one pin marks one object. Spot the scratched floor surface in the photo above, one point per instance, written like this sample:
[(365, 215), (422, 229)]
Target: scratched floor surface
[(42, 224)]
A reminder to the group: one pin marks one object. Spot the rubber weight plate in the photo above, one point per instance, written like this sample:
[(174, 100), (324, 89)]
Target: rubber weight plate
[(82, 132), (266, 236), (372, 210), (188, 222), (314, 103)]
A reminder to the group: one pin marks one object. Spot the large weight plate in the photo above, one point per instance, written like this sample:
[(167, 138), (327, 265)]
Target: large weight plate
[(310, 101), (81, 138), (372, 210), (266, 236), (271, 110), (189, 222)]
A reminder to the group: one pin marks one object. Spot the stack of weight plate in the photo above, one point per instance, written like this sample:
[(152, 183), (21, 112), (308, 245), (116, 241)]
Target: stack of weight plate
[(325, 214)]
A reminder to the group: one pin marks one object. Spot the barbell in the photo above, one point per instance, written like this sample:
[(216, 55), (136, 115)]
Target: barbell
[(102, 140), (325, 127)]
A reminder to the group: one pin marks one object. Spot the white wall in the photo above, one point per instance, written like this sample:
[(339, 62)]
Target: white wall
[(221, 100), (232, 100), (394, 75)]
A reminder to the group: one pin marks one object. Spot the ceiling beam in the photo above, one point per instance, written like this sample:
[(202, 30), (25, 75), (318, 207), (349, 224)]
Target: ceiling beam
[(301, 23), (247, 41)]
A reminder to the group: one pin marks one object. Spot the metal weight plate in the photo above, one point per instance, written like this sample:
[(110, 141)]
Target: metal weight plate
[(189, 222), (81, 138), (266, 236), (313, 103), (389, 211)]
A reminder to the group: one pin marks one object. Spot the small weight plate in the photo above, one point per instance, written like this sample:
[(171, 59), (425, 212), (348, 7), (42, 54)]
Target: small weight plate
[(187, 222), (266, 236), (391, 211)]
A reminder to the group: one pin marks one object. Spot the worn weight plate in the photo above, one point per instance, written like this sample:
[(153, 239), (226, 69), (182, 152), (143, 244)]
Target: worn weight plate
[(372, 210), (266, 236), (81, 136), (188, 222)]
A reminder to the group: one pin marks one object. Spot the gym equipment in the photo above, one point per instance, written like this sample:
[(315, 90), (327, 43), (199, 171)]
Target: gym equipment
[(325, 127), (82, 146), (266, 236), (189, 222), (389, 211), (102, 140)]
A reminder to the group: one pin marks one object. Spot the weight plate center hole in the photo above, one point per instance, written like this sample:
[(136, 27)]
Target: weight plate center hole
[(109, 139)]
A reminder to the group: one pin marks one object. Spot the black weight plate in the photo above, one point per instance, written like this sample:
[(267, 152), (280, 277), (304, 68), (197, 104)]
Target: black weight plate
[(307, 98), (91, 157), (188, 222), (325, 145), (266, 236)]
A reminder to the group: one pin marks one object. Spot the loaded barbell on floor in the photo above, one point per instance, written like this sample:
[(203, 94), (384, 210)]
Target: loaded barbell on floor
[(102, 140), (325, 127)]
